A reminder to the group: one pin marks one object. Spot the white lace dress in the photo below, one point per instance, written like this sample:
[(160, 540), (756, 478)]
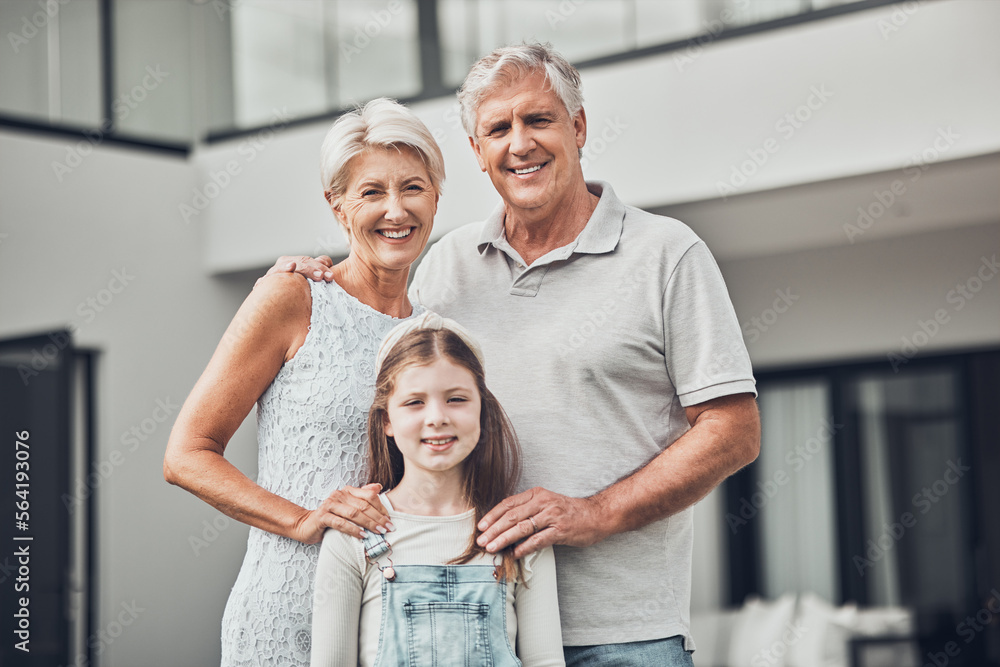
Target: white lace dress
[(311, 434)]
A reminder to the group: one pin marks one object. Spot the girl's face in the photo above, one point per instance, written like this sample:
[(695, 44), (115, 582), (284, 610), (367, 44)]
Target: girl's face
[(433, 413)]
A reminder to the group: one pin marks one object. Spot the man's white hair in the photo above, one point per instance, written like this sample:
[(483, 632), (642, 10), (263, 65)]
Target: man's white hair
[(507, 64)]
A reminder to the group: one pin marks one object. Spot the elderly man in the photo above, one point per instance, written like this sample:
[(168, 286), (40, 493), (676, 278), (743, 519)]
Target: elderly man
[(611, 342)]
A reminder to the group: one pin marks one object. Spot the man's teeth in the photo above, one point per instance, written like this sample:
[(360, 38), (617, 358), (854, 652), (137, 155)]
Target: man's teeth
[(528, 170), (403, 233), (441, 441)]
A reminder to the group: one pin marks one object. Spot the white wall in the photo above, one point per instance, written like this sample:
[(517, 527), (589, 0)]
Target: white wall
[(863, 300)]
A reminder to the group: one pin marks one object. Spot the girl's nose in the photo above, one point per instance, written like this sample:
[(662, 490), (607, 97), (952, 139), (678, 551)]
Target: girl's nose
[(436, 415)]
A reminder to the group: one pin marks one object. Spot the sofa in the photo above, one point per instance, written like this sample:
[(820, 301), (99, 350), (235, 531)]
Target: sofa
[(804, 631)]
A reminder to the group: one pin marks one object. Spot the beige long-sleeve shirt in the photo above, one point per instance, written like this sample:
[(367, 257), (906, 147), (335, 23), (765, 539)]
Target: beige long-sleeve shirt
[(347, 609)]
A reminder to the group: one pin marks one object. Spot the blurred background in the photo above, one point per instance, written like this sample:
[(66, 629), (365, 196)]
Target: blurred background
[(841, 159)]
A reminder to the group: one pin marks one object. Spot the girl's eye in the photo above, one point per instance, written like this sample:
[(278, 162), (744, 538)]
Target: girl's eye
[(413, 402), (457, 399)]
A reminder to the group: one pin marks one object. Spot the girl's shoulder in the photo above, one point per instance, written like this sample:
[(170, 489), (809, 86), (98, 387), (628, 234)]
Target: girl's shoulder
[(346, 549)]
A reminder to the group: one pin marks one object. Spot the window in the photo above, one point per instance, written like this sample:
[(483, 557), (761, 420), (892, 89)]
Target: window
[(869, 488)]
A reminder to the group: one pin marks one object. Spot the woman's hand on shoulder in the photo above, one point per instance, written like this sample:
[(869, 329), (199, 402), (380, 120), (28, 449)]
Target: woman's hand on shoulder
[(348, 510), (317, 268)]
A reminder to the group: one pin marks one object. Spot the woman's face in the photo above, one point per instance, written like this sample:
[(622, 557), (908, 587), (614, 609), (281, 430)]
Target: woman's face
[(388, 207)]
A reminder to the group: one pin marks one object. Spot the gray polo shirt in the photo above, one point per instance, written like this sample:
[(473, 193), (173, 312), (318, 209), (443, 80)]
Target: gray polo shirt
[(594, 351)]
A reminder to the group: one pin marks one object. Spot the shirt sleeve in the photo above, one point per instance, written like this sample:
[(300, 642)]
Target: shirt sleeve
[(539, 637), (705, 354), (336, 603)]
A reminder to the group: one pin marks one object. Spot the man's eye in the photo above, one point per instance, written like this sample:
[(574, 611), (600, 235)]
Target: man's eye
[(498, 130)]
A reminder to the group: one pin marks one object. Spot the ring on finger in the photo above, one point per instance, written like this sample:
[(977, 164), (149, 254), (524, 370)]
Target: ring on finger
[(533, 524)]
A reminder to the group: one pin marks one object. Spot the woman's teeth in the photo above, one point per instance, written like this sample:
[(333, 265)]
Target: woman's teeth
[(528, 170), (403, 233), (440, 441)]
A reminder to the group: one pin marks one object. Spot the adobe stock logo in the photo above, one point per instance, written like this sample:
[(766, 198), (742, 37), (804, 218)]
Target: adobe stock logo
[(924, 501), (786, 126), (959, 297)]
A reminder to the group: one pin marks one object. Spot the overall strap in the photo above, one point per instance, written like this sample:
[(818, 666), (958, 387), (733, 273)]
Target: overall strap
[(375, 545)]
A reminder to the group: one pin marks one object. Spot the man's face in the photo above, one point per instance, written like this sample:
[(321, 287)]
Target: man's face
[(528, 144)]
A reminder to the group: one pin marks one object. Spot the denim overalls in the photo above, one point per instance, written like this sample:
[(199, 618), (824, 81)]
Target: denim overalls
[(441, 615)]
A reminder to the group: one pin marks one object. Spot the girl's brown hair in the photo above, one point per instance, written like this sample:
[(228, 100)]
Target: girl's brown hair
[(493, 467)]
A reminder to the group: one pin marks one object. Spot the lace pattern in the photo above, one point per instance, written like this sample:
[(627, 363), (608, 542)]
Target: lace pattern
[(311, 435)]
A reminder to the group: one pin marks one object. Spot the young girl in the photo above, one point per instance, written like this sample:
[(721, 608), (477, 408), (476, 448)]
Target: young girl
[(425, 593)]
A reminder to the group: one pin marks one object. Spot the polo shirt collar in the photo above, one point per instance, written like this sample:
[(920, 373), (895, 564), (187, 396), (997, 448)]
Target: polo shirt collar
[(604, 228), (601, 234)]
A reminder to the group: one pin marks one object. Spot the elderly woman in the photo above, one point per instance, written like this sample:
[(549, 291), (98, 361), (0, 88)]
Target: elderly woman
[(304, 352)]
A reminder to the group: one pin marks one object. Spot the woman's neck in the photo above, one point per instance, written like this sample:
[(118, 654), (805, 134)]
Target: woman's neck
[(427, 493), (385, 291)]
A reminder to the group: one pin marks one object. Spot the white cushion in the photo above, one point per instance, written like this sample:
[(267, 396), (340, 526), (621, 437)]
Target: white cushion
[(874, 621), (827, 630), (763, 633)]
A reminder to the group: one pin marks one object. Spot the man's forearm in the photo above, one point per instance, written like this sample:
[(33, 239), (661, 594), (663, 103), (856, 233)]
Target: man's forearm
[(723, 438)]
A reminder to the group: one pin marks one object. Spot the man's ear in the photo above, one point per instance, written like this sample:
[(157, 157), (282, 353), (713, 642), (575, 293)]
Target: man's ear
[(478, 151), (580, 126)]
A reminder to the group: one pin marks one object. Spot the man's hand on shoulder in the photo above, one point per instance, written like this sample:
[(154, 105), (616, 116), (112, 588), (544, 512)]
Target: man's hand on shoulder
[(317, 268), (539, 518)]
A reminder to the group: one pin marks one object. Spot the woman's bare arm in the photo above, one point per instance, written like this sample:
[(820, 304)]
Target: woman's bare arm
[(267, 331)]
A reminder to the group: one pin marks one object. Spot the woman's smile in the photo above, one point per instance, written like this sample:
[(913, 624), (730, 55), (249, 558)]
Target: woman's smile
[(396, 234)]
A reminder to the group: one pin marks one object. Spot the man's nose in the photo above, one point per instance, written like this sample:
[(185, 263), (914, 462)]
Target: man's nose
[(522, 140)]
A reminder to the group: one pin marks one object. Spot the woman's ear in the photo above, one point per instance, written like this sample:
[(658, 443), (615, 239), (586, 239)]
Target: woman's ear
[(387, 425), (335, 206)]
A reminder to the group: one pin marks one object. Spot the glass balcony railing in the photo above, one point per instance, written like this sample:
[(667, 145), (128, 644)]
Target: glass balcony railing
[(176, 72)]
